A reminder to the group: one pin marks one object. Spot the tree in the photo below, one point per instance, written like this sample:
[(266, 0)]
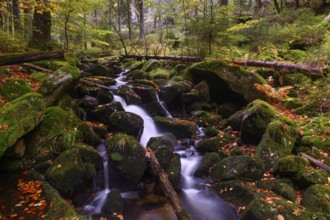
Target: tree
[(17, 15), (140, 7)]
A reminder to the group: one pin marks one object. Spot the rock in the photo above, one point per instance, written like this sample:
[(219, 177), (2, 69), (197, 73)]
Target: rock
[(58, 131), (39, 76), (139, 74), (180, 128), (235, 121), (58, 83), (104, 97), (286, 191), (206, 119), (89, 102), (163, 149), (129, 95), (213, 144), (236, 192), (203, 90), (227, 83), (208, 160), (159, 74), (190, 97), (152, 65), (316, 198), (101, 113), (277, 142), (102, 80), (89, 154), (126, 122), (289, 166), (173, 171), (309, 177), (127, 161), (18, 117), (14, 89), (256, 118), (100, 70), (15, 151), (67, 172), (114, 203), (147, 93), (171, 91), (238, 168), (227, 109)]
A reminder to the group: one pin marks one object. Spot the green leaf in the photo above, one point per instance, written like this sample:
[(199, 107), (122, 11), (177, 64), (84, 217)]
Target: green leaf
[(116, 156)]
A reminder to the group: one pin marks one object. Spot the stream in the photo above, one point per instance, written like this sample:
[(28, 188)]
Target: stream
[(196, 197)]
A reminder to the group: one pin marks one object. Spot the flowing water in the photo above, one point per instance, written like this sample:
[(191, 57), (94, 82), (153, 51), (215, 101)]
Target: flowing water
[(196, 197)]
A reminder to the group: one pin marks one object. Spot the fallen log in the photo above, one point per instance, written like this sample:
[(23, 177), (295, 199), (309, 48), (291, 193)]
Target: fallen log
[(38, 68), (176, 58), (167, 186), (278, 65), (87, 82), (10, 59), (315, 161)]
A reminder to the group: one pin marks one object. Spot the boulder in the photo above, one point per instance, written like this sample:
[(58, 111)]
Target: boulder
[(104, 97), (102, 80), (163, 149), (213, 144), (209, 160), (18, 117), (15, 88), (113, 203), (316, 198), (101, 113), (159, 74), (180, 128), (277, 142), (235, 120), (310, 176), (206, 119), (203, 90), (173, 171), (127, 161), (256, 118), (129, 95), (227, 109), (227, 83), (100, 70), (290, 165), (238, 168), (88, 102), (152, 65), (127, 122), (58, 83), (15, 151)]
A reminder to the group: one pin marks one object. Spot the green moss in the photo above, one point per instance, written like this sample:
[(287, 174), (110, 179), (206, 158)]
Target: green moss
[(72, 70), (206, 119), (173, 171), (213, 144), (159, 74), (290, 165), (286, 191), (18, 117), (207, 162), (310, 176), (292, 103), (14, 89), (180, 128), (39, 76), (316, 198)]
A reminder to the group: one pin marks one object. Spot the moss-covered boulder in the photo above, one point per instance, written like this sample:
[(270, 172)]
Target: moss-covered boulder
[(127, 122), (290, 165), (238, 168), (15, 88), (67, 172), (203, 90), (208, 160), (101, 113), (129, 95), (180, 128), (100, 70), (286, 191), (163, 149), (58, 83), (226, 83), (114, 203), (159, 74), (277, 142), (213, 144), (173, 171), (152, 65), (310, 176), (316, 198), (16, 151), (206, 119), (256, 118), (18, 117), (235, 120), (127, 161), (39, 76), (58, 131)]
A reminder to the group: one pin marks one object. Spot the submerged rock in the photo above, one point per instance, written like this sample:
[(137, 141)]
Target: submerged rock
[(127, 161), (18, 117)]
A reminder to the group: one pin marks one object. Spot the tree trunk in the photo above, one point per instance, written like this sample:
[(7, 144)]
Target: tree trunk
[(211, 28), (119, 2), (141, 18), (9, 18), (29, 57), (315, 161), (27, 23), (277, 7), (85, 31), (67, 17), (17, 16), (41, 26), (297, 3), (175, 58), (129, 19)]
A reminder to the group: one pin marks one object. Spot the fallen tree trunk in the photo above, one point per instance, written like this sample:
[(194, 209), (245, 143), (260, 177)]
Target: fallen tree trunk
[(278, 65), (29, 57), (167, 186), (177, 58), (315, 161), (87, 82), (38, 68)]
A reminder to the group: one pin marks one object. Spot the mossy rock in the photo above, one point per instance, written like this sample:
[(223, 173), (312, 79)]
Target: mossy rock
[(127, 122), (58, 131), (235, 120), (89, 154), (130, 96), (19, 117), (180, 128), (213, 144), (14, 89), (139, 74), (290, 165), (286, 191), (256, 118), (238, 168), (227, 83), (152, 65), (292, 103), (159, 74), (209, 160), (316, 198), (67, 172), (206, 119), (173, 171), (16, 151), (39, 76), (127, 161), (163, 149), (100, 70), (277, 142), (102, 80), (101, 112), (58, 83), (237, 192), (113, 203), (310, 176)]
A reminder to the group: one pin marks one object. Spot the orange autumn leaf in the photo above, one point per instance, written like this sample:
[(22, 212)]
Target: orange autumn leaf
[(280, 217), (35, 197), (13, 215)]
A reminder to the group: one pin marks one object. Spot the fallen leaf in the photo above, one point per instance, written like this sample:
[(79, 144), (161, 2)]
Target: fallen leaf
[(13, 215), (280, 217)]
